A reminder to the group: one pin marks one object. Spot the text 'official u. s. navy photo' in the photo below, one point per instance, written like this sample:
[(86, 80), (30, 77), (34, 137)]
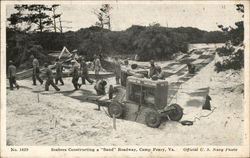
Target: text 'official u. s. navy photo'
[(124, 79)]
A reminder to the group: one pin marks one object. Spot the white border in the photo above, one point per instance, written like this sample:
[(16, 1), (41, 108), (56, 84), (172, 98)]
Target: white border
[(44, 151)]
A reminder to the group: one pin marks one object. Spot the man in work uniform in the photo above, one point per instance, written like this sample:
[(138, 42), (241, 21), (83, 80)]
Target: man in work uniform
[(153, 70), (49, 77), (36, 70), (12, 75), (84, 71), (191, 68), (75, 75), (97, 67), (117, 70), (59, 69), (100, 87)]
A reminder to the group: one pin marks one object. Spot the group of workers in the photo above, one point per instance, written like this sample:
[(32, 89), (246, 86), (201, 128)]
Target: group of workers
[(79, 70)]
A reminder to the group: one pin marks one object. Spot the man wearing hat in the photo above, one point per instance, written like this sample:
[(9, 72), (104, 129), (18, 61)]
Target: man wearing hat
[(12, 75), (49, 77), (36, 70), (84, 71), (75, 74), (59, 69)]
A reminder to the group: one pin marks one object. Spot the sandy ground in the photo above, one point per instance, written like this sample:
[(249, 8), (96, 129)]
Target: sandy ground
[(35, 117)]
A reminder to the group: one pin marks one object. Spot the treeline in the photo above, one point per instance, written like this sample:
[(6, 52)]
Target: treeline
[(151, 42), (231, 56)]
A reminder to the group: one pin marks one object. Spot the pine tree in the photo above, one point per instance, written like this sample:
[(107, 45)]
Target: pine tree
[(32, 15)]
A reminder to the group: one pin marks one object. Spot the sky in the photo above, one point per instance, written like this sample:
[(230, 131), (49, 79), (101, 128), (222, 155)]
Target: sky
[(202, 16)]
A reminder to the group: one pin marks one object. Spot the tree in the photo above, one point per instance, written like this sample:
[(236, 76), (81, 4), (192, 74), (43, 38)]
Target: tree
[(55, 16), (103, 16), (236, 35), (240, 8), (16, 18), (32, 14), (232, 58)]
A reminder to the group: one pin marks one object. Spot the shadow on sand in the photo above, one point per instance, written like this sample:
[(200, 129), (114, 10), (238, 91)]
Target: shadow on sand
[(201, 93)]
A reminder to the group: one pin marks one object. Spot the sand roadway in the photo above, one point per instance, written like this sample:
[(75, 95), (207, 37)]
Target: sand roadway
[(65, 118)]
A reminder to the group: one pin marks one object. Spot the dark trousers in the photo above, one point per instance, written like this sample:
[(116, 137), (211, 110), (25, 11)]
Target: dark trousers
[(117, 79), (35, 76), (97, 77), (50, 82), (12, 81), (75, 82), (59, 78), (84, 77)]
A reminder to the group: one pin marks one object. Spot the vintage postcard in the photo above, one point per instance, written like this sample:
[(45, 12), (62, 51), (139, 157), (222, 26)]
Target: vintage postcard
[(124, 78)]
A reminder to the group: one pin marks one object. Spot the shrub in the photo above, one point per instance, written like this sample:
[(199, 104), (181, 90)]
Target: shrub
[(224, 51), (230, 60)]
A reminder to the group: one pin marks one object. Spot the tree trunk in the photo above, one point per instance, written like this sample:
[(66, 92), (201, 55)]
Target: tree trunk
[(40, 22), (109, 24), (60, 25), (40, 25), (54, 19)]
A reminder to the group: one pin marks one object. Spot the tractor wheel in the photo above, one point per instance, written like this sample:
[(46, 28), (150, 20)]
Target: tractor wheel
[(153, 119), (116, 109), (177, 113)]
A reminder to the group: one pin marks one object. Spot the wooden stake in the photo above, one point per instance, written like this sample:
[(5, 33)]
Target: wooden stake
[(55, 122), (114, 122), (38, 97)]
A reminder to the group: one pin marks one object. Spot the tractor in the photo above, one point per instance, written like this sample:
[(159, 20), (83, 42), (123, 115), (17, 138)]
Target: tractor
[(144, 101)]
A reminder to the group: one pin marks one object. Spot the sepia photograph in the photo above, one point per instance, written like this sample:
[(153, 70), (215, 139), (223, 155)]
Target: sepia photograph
[(118, 75)]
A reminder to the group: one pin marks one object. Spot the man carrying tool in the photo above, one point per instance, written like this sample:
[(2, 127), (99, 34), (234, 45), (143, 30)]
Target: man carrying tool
[(75, 74), (97, 67), (36, 70), (12, 75), (59, 69), (84, 71), (100, 87), (49, 77), (117, 64)]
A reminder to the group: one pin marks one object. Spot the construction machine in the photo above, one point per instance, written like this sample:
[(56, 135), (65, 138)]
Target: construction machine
[(145, 101)]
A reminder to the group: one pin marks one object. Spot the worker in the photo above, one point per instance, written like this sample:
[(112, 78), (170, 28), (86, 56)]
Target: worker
[(111, 91), (75, 74), (153, 70), (117, 69), (49, 77), (36, 70), (74, 54), (136, 57), (97, 67), (59, 69), (191, 68), (126, 62), (12, 75), (84, 71), (100, 87)]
